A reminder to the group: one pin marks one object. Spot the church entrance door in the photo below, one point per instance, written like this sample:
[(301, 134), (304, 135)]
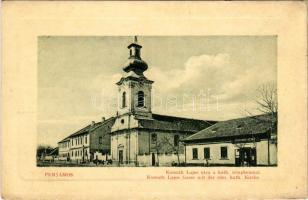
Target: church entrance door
[(121, 156), (153, 159)]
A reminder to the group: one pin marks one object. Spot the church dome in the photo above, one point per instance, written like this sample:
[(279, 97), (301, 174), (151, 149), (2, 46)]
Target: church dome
[(135, 64)]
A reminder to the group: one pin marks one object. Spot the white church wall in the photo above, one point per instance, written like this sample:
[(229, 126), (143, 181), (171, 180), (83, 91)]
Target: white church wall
[(127, 141)]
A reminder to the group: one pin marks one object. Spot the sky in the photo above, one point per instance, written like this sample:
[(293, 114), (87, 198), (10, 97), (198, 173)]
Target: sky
[(201, 77)]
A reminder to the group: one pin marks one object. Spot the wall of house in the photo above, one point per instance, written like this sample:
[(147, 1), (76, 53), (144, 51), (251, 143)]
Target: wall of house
[(80, 145), (262, 153), (103, 132), (215, 155), (80, 141), (273, 154), (76, 154), (64, 148)]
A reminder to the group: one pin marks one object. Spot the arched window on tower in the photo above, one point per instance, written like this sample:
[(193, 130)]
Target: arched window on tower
[(123, 99), (140, 99)]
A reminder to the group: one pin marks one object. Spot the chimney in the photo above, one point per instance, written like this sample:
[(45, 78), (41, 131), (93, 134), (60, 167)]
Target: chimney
[(93, 122), (103, 119)]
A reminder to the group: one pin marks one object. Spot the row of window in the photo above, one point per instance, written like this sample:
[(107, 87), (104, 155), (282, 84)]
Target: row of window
[(207, 153), (79, 140), (140, 99), (77, 153), (176, 139)]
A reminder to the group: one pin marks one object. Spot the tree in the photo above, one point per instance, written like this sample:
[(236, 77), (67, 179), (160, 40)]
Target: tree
[(266, 103), (165, 141), (43, 150), (267, 99)]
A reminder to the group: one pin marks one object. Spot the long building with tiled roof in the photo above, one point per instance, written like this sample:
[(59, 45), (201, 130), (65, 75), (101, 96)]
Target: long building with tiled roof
[(256, 126), (82, 145), (245, 141)]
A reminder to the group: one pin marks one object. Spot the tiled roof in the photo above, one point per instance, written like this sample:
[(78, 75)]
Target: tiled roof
[(91, 127), (236, 127), (158, 122), (65, 139), (163, 122)]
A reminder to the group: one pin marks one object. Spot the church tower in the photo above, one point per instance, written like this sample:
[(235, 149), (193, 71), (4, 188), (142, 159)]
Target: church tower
[(134, 89)]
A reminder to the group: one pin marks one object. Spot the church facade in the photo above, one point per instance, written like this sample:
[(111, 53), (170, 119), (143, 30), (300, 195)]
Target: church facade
[(138, 136)]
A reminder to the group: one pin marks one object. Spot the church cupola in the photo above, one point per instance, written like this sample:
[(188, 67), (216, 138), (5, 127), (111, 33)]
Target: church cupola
[(134, 89), (135, 63)]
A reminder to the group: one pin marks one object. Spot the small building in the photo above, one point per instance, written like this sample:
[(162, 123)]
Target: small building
[(248, 141), (83, 144), (64, 148)]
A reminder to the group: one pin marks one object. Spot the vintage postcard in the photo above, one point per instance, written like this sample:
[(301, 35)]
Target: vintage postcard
[(151, 100)]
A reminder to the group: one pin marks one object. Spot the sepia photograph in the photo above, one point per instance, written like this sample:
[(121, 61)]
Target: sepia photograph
[(154, 100), (157, 101)]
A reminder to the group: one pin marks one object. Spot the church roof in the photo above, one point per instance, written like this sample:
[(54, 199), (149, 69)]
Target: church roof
[(254, 125), (158, 122), (170, 123)]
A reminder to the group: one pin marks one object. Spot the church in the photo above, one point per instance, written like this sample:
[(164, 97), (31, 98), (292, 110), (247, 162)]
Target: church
[(138, 136), (135, 136)]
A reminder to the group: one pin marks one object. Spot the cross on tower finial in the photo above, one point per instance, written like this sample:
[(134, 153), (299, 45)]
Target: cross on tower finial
[(135, 39)]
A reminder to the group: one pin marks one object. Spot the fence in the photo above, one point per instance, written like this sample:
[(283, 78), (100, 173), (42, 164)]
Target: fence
[(160, 159)]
